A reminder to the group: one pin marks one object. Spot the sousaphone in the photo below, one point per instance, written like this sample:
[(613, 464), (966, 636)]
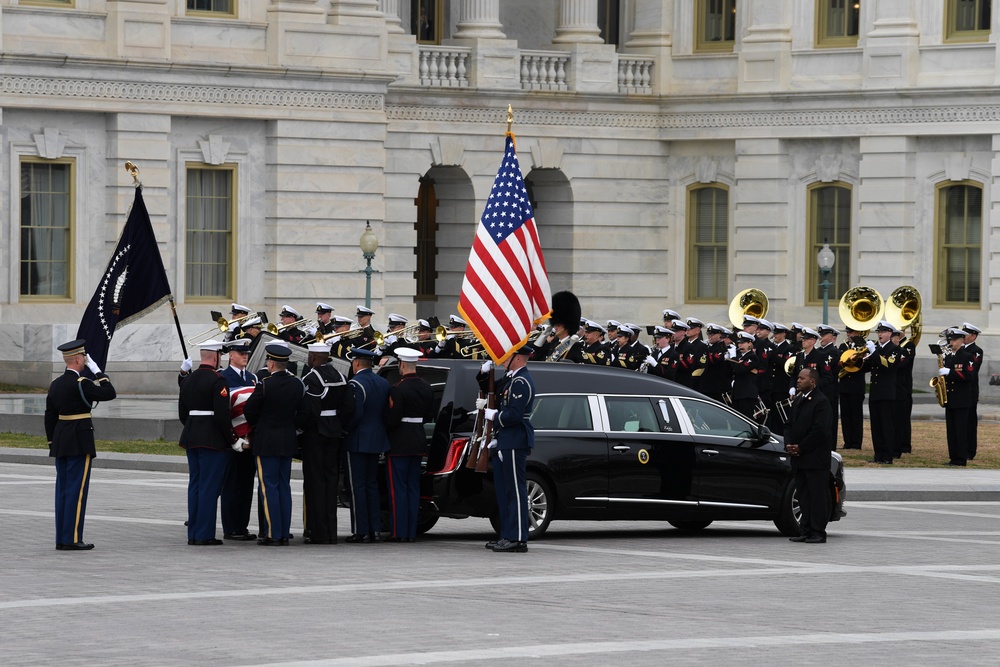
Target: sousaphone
[(902, 310), (861, 308), (752, 302)]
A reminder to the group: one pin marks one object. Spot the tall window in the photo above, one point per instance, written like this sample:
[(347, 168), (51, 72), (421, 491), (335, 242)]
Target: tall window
[(829, 222), (47, 197), (426, 250), (715, 25), (607, 20), (960, 243), (427, 20), (708, 244), (837, 22), (49, 3), (967, 21), (211, 205), (224, 7)]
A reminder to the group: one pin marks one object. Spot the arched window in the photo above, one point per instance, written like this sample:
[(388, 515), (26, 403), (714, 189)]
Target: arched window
[(708, 244), (426, 250), (829, 222), (959, 224)]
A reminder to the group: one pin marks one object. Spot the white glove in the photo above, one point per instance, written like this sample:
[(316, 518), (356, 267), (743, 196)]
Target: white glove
[(791, 392), (440, 347), (311, 330), (241, 444), (187, 365), (487, 366), (493, 444), (391, 339), (333, 341), (449, 336), (651, 360), (944, 371), (870, 345), (481, 403), (92, 365), (730, 352), (233, 326), (490, 413)]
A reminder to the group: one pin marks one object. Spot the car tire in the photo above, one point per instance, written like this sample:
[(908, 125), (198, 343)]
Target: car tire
[(540, 507), (790, 515), (691, 526), (425, 522)]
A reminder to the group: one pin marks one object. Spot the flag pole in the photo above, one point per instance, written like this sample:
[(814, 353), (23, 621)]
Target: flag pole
[(133, 171)]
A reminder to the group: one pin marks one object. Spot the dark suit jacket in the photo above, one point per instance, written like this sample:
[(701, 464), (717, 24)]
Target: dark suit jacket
[(72, 394), (809, 428)]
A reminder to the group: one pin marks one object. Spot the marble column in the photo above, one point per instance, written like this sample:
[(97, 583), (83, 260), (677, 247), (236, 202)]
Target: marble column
[(886, 212), (578, 23), (652, 34), (766, 46), (390, 8), (479, 19)]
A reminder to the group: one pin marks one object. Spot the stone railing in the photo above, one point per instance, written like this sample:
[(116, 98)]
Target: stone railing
[(444, 66), (544, 70), (635, 74)]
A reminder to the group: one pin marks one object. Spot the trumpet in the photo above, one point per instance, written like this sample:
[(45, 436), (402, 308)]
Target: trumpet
[(221, 326), (472, 350), (274, 329)]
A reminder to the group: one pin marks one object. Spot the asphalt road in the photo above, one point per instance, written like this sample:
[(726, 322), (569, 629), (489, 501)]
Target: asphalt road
[(898, 583)]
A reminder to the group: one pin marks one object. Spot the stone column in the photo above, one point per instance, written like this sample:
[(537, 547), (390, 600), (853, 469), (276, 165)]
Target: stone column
[(354, 12), (652, 34), (578, 23), (891, 46), (886, 215), (138, 30), (479, 19), (390, 8), (766, 46)]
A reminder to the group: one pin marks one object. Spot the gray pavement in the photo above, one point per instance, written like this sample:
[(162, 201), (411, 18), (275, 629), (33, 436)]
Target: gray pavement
[(898, 583)]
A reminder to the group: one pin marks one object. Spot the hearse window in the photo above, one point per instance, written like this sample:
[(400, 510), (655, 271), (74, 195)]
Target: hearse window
[(710, 419), (561, 413), (633, 414)]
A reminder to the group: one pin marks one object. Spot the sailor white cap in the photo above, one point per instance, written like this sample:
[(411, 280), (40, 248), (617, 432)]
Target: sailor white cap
[(407, 354), (322, 348), (211, 345)]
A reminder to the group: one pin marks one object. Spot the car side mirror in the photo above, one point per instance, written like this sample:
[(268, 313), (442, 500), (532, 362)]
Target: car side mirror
[(764, 434)]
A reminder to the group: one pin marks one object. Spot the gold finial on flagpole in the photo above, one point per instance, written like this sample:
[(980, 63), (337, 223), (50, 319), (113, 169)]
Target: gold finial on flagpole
[(510, 117), (134, 172)]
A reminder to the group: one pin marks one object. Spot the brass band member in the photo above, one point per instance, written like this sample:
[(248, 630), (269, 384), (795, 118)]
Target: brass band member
[(762, 346), (288, 316), (695, 349), (451, 346), (364, 315), (718, 375), (388, 348), (625, 355), (746, 369), (780, 351), (852, 388), (882, 365), (960, 376), (594, 348), (903, 408), (425, 341), (971, 335), (324, 316), (830, 355), (340, 347)]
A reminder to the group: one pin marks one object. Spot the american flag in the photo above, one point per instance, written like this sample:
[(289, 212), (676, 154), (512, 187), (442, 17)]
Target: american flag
[(238, 398), (506, 289)]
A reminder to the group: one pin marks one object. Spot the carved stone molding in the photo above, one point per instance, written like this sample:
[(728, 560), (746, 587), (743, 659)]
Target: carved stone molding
[(186, 93), (447, 151), (524, 117), (547, 154), (957, 166), (50, 143), (215, 150)]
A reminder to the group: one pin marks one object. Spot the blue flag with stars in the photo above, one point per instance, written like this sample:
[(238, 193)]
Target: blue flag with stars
[(134, 284)]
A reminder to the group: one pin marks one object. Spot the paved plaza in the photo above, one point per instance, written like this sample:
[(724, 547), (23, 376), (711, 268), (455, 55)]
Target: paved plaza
[(898, 583)]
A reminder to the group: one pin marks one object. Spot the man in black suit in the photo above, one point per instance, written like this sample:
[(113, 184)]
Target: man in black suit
[(70, 433), (807, 440)]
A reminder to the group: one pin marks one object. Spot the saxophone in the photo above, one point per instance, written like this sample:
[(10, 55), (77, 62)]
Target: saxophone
[(938, 382)]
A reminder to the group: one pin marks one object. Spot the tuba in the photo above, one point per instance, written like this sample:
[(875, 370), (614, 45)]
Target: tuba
[(752, 302), (902, 309), (861, 308)]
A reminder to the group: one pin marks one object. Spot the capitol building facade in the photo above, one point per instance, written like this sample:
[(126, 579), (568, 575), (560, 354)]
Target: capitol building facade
[(676, 151)]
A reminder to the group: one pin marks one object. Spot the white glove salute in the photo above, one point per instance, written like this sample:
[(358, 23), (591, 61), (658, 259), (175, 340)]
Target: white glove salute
[(944, 371), (490, 413), (92, 365), (481, 403), (187, 365), (487, 366)]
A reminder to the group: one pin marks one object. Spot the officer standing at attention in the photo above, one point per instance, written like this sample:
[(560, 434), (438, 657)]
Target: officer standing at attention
[(960, 375), (882, 365), (903, 407), (807, 440), (971, 334), (515, 438), (411, 401), (828, 383), (237, 489), (366, 440), (70, 433), (205, 411), (271, 411), (852, 388), (747, 368)]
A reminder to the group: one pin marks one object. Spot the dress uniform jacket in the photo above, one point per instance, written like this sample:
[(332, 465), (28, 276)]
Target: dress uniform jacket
[(962, 379), (595, 353), (746, 370), (204, 390), (973, 434), (516, 395), (328, 403), (691, 361), (271, 411), (366, 433), (718, 376), (71, 395), (411, 403), (762, 347), (815, 359), (882, 365)]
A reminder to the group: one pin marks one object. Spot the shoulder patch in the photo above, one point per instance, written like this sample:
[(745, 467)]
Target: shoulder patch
[(224, 392)]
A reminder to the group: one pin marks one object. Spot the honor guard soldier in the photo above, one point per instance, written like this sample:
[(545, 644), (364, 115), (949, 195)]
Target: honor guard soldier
[(882, 365), (696, 349), (237, 488), (271, 411), (903, 407), (830, 356), (451, 346), (971, 335), (327, 405), (852, 387), (960, 375), (411, 403), (205, 410), (289, 333), (718, 375), (593, 351), (514, 439), (781, 350), (340, 347), (70, 432), (364, 315), (366, 441), (746, 369)]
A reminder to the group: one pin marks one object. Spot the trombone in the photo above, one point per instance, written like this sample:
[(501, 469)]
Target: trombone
[(221, 326), (441, 334), (274, 329)]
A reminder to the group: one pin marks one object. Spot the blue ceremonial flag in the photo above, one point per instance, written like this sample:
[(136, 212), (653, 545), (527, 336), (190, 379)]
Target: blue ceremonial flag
[(134, 284)]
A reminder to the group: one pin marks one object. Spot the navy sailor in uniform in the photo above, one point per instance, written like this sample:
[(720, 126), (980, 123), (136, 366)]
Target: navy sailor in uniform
[(960, 373), (411, 402), (514, 440), (70, 433), (204, 409)]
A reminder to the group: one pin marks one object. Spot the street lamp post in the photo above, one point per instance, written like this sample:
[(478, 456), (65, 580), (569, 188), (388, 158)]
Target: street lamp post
[(369, 244), (825, 260)]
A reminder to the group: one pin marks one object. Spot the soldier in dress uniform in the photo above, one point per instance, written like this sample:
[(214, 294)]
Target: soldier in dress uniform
[(661, 343), (324, 319), (451, 346), (761, 330), (593, 348), (249, 329), (795, 337), (237, 488), (718, 376), (271, 411), (425, 341), (852, 388), (746, 369), (288, 316), (808, 357), (411, 403), (612, 331), (327, 405), (391, 341), (669, 315), (830, 355), (364, 316), (366, 441), (687, 362), (625, 355), (641, 350), (696, 350), (882, 366), (781, 350), (903, 407), (340, 348), (971, 335), (70, 432), (204, 409), (960, 375), (236, 312)]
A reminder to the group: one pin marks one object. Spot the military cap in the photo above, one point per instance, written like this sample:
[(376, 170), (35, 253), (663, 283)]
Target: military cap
[(237, 344), (591, 325), (809, 333), (395, 318), (340, 320), (661, 332), (670, 314), (278, 352), (211, 345), (750, 319), (712, 328), (288, 311), (73, 347), (424, 325), (323, 307), (320, 348), (252, 322), (826, 329), (361, 353), (679, 325), (364, 310), (952, 333), (693, 322), (883, 325), (527, 350), (765, 324), (778, 327), (744, 337), (456, 321), (971, 328), (614, 324), (407, 354), (237, 308)]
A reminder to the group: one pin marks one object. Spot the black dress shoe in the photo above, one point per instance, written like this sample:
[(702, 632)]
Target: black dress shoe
[(956, 463), (374, 537), (800, 538), (358, 539), (394, 539), (266, 541), (492, 543), (312, 540), (816, 539), (207, 543), (283, 542), (240, 537), (76, 546), (511, 547)]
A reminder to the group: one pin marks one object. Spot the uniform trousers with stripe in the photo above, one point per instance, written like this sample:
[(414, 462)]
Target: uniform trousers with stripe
[(206, 472), (404, 494), (72, 486), (509, 480), (237, 493), (366, 510), (274, 474)]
